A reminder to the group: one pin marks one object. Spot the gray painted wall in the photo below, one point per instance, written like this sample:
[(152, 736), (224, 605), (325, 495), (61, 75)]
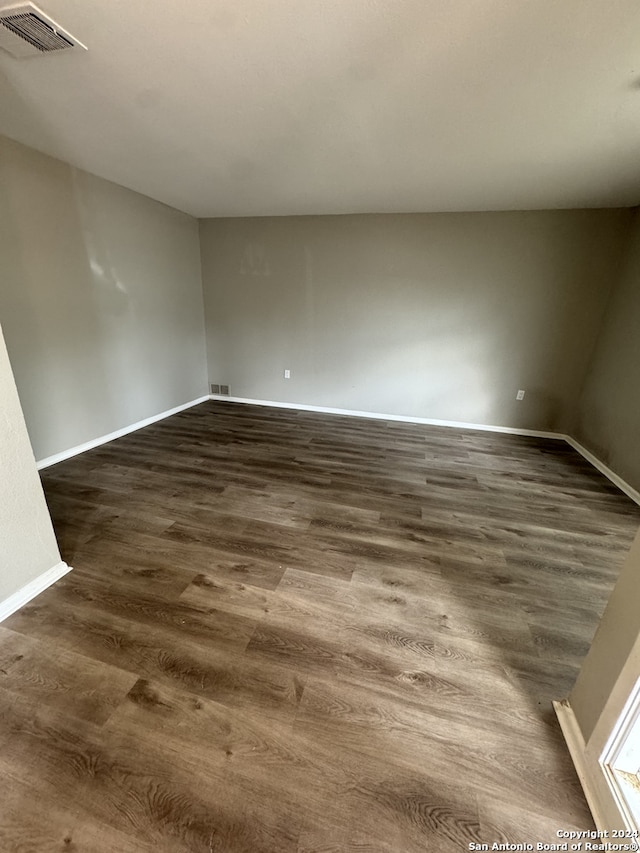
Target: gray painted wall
[(608, 414), (27, 542), (436, 315), (100, 300)]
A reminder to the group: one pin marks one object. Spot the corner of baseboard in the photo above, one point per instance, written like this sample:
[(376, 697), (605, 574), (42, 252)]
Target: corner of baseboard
[(604, 469), (616, 479), (104, 439), (29, 591)]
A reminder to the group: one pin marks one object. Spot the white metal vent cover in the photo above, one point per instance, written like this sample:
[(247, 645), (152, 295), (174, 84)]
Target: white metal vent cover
[(25, 30)]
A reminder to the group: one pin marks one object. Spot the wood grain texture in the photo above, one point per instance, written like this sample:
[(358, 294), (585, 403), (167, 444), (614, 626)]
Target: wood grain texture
[(287, 631)]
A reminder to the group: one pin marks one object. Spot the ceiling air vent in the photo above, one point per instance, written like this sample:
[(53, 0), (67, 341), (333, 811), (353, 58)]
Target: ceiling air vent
[(26, 31)]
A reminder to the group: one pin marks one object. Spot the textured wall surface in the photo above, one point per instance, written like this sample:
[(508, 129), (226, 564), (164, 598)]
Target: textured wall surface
[(27, 542)]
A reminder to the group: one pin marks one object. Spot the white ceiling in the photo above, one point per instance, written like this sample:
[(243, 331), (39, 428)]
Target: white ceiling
[(269, 107)]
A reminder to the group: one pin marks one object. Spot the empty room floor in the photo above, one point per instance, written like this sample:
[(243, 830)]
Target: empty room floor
[(288, 631)]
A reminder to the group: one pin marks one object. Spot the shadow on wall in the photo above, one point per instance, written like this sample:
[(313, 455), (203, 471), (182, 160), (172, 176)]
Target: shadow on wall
[(607, 420), (57, 277), (432, 365)]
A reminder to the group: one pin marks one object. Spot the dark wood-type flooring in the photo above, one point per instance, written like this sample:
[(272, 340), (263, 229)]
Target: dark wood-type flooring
[(289, 632)]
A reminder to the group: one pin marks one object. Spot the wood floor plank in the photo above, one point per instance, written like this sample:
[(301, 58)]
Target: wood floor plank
[(81, 686), (60, 829), (201, 668), (288, 632), (145, 789)]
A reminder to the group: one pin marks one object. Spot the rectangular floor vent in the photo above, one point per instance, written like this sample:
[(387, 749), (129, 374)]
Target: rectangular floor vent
[(25, 31)]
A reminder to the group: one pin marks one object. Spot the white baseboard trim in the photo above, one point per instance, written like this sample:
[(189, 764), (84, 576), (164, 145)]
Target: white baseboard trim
[(32, 589), (576, 745), (352, 413), (604, 808), (103, 439), (604, 469), (379, 416)]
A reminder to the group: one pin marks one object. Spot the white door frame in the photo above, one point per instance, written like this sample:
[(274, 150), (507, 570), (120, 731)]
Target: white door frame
[(596, 759)]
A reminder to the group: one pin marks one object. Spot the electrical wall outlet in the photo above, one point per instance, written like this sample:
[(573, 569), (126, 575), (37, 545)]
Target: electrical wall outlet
[(224, 389), (520, 395), (215, 389), (287, 374)]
